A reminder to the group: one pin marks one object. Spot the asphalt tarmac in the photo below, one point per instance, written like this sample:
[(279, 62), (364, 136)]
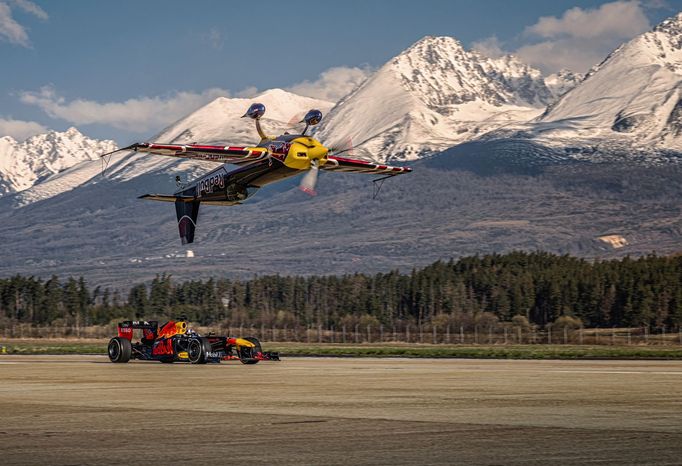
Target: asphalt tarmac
[(85, 410)]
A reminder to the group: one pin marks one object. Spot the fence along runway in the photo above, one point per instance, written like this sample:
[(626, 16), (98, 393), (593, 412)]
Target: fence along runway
[(436, 334), (82, 409)]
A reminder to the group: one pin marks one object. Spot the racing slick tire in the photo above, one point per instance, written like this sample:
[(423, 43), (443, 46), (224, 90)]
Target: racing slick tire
[(120, 350), (197, 348), (248, 355)]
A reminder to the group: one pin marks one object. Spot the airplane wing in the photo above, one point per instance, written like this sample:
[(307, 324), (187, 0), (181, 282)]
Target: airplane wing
[(220, 154), (342, 164)]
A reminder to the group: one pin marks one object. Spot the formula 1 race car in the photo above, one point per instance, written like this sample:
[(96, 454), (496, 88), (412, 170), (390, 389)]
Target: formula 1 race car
[(175, 341)]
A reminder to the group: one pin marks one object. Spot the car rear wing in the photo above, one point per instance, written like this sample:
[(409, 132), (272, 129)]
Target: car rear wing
[(149, 329)]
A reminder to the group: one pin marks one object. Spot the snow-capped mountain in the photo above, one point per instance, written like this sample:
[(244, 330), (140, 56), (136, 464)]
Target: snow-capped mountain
[(217, 122), (563, 81), (435, 95), (22, 164), (431, 97), (633, 99), (220, 121)]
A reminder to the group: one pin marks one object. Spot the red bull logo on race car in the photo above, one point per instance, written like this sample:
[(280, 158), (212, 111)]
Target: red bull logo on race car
[(163, 347)]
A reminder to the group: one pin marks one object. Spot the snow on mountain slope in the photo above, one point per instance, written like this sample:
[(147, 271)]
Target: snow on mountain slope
[(633, 98), (221, 122), (432, 96), (218, 122), (22, 164), (563, 81)]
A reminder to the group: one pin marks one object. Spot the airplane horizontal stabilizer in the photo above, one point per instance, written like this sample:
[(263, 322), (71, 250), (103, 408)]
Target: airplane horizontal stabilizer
[(166, 198)]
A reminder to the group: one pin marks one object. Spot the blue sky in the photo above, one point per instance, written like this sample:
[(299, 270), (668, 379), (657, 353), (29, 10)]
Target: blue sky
[(125, 69)]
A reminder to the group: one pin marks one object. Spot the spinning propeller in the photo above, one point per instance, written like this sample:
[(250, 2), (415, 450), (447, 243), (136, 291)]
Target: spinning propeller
[(309, 180), (344, 147)]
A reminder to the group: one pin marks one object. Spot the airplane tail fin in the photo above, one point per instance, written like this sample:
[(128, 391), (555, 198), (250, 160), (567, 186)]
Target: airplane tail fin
[(187, 213), (186, 208)]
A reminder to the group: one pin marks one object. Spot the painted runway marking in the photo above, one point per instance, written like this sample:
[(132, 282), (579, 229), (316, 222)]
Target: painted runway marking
[(617, 372)]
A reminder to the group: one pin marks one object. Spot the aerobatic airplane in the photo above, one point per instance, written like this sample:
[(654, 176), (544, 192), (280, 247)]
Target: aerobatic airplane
[(273, 159)]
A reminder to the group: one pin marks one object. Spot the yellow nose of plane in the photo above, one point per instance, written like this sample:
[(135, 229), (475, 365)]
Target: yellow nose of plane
[(303, 151)]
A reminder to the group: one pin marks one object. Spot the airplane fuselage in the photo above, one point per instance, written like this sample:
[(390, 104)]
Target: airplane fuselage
[(274, 159), (289, 156)]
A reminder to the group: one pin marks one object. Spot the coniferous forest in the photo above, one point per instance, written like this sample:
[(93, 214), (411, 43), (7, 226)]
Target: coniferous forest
[(539, 287)]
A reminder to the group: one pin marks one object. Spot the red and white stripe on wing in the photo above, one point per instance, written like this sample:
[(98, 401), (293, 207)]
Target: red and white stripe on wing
[(342, 164), (221, 154)]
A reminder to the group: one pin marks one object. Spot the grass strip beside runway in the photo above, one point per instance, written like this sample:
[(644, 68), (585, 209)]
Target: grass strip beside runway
[(37, 346)]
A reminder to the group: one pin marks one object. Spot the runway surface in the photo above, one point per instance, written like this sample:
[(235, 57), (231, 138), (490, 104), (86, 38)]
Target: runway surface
[(85, 410)]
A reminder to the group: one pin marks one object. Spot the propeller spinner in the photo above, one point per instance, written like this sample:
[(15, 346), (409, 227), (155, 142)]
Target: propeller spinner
[(316, 154), (305, 153)]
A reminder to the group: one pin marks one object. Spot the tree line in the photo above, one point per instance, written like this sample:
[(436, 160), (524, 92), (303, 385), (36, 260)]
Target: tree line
[(540, 288)]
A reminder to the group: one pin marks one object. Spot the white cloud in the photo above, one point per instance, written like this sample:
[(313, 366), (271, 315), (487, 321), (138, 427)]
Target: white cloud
[(489, 47), (144, 114), (615, 20), (332, 84), (247, 92), (10, 30), (565, 54), (138, 115), (32, 8), (578, 39), (20, 129)]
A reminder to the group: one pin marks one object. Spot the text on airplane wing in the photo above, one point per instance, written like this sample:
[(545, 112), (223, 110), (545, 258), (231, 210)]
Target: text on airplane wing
[(221, 154), (342, 164)]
